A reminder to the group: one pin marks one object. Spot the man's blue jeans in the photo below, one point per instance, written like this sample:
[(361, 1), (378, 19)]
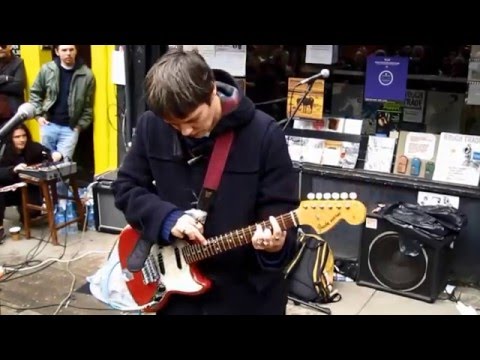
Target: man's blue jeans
[(59, 138)]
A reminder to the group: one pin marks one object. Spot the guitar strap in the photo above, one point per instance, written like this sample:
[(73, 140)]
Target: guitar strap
[(216, 164), (215, 169)]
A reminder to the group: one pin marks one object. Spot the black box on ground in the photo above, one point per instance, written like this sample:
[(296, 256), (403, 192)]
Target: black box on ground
[(108, 218)]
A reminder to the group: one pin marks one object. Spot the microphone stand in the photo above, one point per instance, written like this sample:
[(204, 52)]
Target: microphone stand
[(309, 89), (311, 305), (3, 144), (2, 148)]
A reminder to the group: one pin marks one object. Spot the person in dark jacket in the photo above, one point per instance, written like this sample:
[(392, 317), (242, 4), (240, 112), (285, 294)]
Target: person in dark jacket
[(20, 151), (162, 175), (63, 94), (12, 83)]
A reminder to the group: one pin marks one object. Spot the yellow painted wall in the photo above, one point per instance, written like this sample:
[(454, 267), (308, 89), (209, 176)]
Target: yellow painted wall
[(105, 109), (34, 57), (105, 105)]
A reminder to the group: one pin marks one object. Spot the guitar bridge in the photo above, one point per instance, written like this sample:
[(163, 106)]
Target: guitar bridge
[(150, 271)]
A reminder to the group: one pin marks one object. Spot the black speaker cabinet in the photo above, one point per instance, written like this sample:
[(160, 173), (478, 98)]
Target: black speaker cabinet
[(108, 218), (391, 262)]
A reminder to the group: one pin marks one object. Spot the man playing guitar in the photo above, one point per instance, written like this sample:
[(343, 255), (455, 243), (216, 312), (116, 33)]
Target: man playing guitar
[(162, 179)]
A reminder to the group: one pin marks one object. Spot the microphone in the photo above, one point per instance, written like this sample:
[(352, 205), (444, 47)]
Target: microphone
[(325, 73), (24, 112)]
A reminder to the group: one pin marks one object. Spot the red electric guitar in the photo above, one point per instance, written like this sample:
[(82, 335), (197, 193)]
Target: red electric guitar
[(171, 269)]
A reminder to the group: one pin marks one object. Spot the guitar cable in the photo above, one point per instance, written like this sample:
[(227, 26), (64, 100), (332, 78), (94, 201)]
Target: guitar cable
[(7, 268)]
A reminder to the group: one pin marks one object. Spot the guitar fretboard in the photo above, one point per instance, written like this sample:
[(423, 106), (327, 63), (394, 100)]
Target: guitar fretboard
[(232, 240)]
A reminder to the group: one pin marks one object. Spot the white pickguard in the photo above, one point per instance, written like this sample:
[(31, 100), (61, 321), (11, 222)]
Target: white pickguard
[(175, 278)]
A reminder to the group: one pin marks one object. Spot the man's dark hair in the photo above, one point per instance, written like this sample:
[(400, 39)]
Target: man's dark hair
[(178, 83), (56, 47)]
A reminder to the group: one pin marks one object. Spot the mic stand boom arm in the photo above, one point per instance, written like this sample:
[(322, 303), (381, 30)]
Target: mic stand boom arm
[(309, 89), (3, 144)]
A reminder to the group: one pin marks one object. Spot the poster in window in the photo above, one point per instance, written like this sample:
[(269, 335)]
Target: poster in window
[(473, 97), (379, 154), (414, 106), (303, 149), (444, 111), (231, 58), (416, 147), (388, 118), (321, 54), (458, 159), (386, 78), (347, 100), (312, 106)]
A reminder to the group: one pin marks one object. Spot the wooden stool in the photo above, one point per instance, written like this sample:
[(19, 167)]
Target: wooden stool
[(49, 192)]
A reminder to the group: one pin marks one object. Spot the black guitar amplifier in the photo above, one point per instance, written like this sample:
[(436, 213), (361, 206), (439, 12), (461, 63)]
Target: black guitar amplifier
[(108, 218), (387, 264)]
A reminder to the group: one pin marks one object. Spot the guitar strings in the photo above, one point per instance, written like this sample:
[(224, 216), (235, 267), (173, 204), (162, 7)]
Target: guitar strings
[(196, 252)]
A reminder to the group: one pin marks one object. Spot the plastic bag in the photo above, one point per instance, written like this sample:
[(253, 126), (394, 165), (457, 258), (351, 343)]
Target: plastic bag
[(431, 222)]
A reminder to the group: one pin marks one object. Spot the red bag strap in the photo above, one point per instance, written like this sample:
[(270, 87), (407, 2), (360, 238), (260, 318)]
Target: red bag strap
[(216, 165)]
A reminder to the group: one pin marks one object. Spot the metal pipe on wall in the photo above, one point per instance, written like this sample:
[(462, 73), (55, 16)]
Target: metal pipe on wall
[(138, 60)]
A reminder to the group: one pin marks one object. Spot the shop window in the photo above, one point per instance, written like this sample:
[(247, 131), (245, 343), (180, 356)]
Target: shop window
[(437, 84)]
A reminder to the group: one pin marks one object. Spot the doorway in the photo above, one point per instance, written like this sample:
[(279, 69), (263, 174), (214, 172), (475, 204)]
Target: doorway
[(83, 155)]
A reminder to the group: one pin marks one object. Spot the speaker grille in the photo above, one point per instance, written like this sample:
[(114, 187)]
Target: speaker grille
[(110, 219), (394, 268)]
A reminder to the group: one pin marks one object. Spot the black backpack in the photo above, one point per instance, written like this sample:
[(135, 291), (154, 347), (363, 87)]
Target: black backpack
[(310, 274)]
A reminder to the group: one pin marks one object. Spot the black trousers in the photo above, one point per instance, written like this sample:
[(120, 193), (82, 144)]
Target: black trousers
[(231, 299), (14, 198)]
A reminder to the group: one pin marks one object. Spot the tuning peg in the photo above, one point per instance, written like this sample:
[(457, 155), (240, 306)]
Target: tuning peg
[(344, 195), (311, 196), (353, 195), (335, 196), (327, 196), (319, 196)]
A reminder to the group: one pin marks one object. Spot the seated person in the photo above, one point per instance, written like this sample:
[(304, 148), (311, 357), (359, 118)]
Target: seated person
[(20, 151)]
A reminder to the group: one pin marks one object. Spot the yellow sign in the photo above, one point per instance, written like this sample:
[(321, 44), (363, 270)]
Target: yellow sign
[(312, 105)]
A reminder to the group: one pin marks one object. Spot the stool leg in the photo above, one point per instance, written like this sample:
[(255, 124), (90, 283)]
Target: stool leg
[(80, 208), (26, 213), (50, 211), (53, 192)]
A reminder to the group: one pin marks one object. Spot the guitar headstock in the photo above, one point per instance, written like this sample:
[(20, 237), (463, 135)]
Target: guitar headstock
[(324, 211)]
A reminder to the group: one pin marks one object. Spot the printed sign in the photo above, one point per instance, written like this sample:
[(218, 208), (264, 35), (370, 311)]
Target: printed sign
[(474, 76), (388, 118), (312, 105), (458, 159), (386, 78), (428, 198), (321, 54), (414, 105), (231, 58)]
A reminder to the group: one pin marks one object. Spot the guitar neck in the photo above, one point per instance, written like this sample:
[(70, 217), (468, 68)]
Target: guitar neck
[(234, 239)]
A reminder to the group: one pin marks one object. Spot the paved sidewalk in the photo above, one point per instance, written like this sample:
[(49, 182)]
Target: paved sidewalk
[(43, 291)]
